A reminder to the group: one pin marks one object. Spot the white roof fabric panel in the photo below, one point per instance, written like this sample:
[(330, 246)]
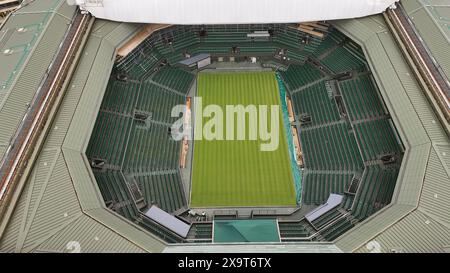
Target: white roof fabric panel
[(333, 201), (231, 11), (168, 220)]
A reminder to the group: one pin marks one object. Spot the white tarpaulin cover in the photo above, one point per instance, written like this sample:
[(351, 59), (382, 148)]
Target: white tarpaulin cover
[(231, 11), (168, 220), (333, 201)]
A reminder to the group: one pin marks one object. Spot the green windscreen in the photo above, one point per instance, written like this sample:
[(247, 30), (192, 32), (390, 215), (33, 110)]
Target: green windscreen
[(235, 231)]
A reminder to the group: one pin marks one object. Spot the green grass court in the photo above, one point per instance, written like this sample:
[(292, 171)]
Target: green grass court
[(237, 173)]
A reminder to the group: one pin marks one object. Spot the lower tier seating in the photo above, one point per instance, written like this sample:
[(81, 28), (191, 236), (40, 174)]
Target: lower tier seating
[(330, 148), (115, 193), (375, 190), (202, 230), (151, 148), (158, 230), (338, 228), (317, 186), (162, 190), (292, 230), (327, 218), (316, 101)]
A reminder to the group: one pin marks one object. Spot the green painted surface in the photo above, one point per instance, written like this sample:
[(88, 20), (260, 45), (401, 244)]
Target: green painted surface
[(236, 231), (237, 172)]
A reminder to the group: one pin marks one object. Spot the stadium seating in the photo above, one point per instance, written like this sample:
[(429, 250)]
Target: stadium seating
[(184, 38), (361, 98), (120, 97), (317, 186), (246, 48), (354, 48), (376, 138), (258, 48), (109, 138), (211, 48), (142, 149), (158, 101), (348, 201), (158, 230), (162, 190), (338, 228), (341, 60), (151, 148), (174, 78), (317, 102), (296, 56), (297, 76), (113, 188), (164, 47), (202, 231), (330, 42), (141, 61), (330, 148), (290, 37), (326, 218), (292, 229), (375, 191), (225, 34)]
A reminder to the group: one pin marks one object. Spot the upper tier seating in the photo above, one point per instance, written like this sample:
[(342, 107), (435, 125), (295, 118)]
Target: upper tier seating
[(297, 76), (158, 101), (361, 98), (120, 97), (340, 60), (316, 101), (174, 78), (334, 39), (139, 62)]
